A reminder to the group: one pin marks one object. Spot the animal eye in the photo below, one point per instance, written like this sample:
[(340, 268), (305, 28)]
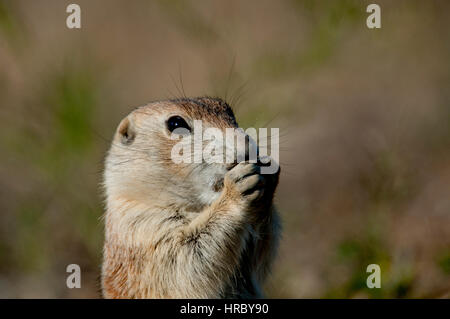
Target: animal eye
[(176, 122)]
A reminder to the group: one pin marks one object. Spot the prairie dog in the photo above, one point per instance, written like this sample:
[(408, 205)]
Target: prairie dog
[(194, 230)]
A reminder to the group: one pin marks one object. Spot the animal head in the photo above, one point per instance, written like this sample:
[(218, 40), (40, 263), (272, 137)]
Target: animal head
[(140, 164)]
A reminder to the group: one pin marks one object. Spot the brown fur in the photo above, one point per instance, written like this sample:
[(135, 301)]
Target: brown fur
[(169, 232)]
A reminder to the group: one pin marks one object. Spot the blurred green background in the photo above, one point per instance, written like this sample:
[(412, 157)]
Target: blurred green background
[(364, 117)]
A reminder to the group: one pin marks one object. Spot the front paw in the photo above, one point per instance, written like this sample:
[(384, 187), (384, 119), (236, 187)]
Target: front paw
[(246, 185)]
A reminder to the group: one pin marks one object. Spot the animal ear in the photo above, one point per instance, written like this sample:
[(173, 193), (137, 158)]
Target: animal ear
[(126, 131)]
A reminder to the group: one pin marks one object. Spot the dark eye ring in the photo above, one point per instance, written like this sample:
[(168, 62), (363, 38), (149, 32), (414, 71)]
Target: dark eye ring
[(176, 122)]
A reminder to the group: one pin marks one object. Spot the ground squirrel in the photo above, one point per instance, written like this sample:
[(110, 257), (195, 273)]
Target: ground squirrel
[(183, 230)]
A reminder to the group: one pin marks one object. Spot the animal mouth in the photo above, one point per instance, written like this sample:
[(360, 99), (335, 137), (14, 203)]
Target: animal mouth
[(218, 184)]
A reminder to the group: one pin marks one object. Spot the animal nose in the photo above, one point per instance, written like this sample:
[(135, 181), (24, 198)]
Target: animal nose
[(245, 150), (250, 149)]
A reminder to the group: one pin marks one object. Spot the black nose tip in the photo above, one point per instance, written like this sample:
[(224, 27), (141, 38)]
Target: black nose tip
[(264, 160)]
